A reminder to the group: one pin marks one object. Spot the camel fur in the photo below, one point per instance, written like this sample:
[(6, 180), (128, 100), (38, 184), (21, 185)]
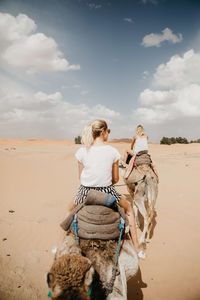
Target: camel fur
[(144, 196), (71, 273), (75, 268)]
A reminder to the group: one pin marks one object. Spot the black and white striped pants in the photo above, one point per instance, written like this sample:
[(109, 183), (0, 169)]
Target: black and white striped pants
[(83, 191)]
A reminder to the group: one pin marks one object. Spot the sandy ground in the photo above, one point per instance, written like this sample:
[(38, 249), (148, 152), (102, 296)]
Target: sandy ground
[(37, 181)]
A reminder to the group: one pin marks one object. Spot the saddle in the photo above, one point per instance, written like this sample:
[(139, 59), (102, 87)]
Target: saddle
[(99, 217), (141, 158)]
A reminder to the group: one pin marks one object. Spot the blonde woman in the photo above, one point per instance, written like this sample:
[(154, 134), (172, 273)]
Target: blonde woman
[(98, 165), (139, 143)]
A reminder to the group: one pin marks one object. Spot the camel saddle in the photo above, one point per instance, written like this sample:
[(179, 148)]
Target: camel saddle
[(141, 158), (99, 217)]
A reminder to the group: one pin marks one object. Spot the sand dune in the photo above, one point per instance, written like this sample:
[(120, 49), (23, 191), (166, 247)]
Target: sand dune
[(38, 178)]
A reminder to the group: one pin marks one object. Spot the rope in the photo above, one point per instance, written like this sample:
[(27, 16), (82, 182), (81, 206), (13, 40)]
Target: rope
[(109, 286), (75, 227), (121, 228), (115, 272), (135, 182)]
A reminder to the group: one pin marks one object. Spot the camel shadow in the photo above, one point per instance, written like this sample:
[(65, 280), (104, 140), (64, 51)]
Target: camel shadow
[(134, 287)]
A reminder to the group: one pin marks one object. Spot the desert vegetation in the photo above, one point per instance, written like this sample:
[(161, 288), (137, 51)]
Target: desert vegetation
[(77, 139)]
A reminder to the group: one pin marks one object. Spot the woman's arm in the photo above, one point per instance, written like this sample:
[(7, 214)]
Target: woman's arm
[(115, 172), (80, 168), (133, 142)]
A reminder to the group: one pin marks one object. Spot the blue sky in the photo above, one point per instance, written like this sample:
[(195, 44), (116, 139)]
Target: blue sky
[(65, 63)]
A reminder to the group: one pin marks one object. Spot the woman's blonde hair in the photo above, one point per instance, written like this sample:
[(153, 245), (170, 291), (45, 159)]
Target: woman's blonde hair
[(92, 131), (139, 130)]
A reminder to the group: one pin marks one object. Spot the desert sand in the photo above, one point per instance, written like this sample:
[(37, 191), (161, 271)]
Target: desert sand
[(38, 178)]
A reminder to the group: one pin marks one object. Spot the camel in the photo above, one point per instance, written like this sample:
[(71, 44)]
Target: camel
[(84, 271), (143, 194)]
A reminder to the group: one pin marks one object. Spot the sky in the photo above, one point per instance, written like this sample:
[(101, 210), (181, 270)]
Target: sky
[(65, 63)]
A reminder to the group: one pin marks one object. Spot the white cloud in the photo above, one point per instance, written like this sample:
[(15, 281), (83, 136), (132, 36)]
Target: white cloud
[(149, 97), (162, 106), (155, 39), (145, 74), (181, 98), (94, 6), (84, 92), (46, 115), (128, 20), (19, 47), (100, 111), (76, 86), (179, 71)]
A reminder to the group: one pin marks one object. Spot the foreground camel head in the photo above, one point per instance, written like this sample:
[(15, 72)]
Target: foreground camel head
[(70, 277)]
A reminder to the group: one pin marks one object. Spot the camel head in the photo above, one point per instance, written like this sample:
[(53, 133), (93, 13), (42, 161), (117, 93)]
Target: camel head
[(70, 277)]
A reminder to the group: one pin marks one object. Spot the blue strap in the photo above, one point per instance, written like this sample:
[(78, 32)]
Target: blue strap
[(121, 228), (90, 290), (75, 227), (49, 294), (112, 200), (108, 195)]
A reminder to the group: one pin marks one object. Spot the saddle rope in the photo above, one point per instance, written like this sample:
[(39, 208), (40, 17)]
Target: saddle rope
[(115, 271)]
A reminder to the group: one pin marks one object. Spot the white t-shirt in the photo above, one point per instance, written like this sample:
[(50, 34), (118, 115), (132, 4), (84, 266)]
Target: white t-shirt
[(141, 144), (97, 162)]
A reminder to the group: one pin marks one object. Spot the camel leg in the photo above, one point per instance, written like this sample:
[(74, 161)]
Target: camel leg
[(136, 216), (128, 267), (142, 238), (141, 206), (150, 226)]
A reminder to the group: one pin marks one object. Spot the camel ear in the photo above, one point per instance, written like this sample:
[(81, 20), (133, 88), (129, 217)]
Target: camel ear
[(88, 278), (49, 278)]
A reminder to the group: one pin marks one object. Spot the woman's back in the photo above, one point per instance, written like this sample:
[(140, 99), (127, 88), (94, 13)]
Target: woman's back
[(141, 143), (97, 162)]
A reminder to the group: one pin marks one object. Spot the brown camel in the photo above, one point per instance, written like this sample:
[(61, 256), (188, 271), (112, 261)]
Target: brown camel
[(142, 185), (84, 269)]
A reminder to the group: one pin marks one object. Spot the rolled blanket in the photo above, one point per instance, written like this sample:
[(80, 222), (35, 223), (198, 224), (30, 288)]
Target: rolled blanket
[(68, 221), (95, 214), (98, 217), (95, 197), (142, 158)]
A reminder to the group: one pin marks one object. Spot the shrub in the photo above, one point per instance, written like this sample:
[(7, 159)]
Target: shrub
[(165, 141), (173, 140), (77, 139), (195, 141)]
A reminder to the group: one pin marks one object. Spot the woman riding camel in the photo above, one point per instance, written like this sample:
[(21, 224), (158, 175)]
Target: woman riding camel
[(98, 165), (140, 143)]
